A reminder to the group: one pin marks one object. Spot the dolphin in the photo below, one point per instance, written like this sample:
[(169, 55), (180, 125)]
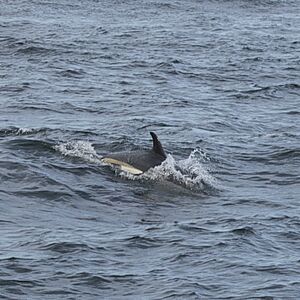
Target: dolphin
[(139, 161)]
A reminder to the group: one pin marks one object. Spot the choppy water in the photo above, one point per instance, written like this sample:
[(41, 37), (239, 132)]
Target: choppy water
[(218, 81)]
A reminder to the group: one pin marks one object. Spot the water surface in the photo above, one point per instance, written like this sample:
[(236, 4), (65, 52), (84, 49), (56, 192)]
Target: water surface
[(218, 81)]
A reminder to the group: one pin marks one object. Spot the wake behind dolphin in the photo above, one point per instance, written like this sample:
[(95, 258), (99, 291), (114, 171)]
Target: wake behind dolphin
[(140, 161)]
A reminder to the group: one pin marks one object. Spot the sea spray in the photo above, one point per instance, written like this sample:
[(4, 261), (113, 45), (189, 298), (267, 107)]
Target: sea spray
[(80, 149), (189, 173)]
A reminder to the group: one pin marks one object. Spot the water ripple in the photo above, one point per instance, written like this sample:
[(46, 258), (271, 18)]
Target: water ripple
[(219, 83)]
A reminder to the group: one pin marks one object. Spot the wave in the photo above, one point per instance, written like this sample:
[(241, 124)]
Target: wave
[(19, 131), (41, 133), (244, 231), (72, 73), (30, 144), (66, 247), (271, 88), (285, 154), (31, 49), (277, 156), (142, 242)]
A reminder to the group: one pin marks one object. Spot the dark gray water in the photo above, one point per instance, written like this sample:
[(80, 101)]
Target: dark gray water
[(218, 81)]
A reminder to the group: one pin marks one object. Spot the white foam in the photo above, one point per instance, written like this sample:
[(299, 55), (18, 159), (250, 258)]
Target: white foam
[(189, 173), (81, 149), (21, 131)]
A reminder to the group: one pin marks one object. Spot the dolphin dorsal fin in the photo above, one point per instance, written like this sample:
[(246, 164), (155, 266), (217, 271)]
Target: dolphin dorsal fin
[(157, 147)]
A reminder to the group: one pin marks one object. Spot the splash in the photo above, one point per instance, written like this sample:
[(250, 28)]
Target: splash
[(189, 173), (80, 149), (22, 131)]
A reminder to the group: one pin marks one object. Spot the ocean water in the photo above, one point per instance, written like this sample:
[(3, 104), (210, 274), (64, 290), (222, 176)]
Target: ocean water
[(218, 81)]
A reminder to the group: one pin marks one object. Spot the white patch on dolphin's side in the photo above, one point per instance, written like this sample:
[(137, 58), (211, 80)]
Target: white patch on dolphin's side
[(122, 165)]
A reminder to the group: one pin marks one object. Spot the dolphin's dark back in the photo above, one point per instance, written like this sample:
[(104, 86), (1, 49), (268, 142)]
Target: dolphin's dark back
[(141, 159)]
